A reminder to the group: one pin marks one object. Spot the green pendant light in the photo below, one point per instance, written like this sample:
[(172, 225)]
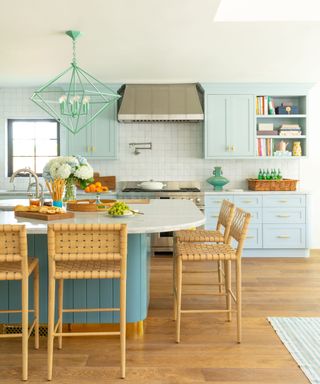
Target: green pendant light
[(74, 98)]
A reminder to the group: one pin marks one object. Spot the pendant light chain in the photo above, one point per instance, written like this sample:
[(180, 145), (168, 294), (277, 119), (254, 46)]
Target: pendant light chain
[(74, 57)]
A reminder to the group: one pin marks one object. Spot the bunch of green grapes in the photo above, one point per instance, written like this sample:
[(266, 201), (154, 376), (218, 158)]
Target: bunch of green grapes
[(118, 209)]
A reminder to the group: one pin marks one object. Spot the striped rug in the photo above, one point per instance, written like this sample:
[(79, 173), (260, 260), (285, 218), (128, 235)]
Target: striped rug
[(301, 336)]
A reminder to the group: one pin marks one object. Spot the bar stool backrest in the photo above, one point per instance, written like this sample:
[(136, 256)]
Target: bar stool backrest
[(225, 217), (14, 247), (239, 228), (87, 242)]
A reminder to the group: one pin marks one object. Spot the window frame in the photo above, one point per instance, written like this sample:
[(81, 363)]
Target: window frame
[(10, 123)]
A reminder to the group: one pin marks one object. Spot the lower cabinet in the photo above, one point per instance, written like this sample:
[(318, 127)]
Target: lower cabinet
[(284, 236), (278, 221)]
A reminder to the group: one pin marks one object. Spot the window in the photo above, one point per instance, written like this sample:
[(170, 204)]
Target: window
[(32, 143)]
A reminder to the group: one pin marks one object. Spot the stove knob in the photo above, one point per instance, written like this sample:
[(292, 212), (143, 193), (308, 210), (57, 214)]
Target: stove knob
[(191, 199), (198, 200)]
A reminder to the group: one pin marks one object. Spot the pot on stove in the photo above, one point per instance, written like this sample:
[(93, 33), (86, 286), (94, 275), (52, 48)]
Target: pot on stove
[(151, 185)]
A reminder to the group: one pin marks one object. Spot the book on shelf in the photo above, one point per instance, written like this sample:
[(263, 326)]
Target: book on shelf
[(267, 133), (289, 133), (290, 127), (264, 147), (265, 105), (290, 130), (265, 127)]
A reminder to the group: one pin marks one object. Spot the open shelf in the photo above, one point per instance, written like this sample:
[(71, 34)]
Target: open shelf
[(266, 108), (281, 137), (281, 116)]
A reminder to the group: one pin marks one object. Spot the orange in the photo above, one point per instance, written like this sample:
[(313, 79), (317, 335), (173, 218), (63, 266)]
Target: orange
[(98, 184), (87, 189), (99, 189), (92, 188), (105, 189)]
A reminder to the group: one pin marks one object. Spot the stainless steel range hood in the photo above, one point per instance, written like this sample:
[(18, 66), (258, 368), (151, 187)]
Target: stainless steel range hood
[(160, 102)]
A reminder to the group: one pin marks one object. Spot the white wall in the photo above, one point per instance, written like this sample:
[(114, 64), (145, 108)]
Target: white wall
[(177, 151)]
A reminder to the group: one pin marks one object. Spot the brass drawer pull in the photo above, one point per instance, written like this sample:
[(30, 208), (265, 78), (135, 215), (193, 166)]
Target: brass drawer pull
[(218, 201), (250, 237), (283, 201), (215, 216), (283, 237), (283, 215), (247, 201)]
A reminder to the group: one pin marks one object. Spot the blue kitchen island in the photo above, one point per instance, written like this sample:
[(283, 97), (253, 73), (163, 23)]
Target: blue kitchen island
[(158, 216)]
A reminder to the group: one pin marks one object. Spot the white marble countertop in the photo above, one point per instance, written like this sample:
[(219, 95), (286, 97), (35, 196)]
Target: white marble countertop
[(159, 216)]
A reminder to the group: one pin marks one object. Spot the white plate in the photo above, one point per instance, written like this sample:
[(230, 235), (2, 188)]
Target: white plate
[(127, 214)]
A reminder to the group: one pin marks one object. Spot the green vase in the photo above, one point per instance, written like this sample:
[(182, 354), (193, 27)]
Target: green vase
[(217, 180)]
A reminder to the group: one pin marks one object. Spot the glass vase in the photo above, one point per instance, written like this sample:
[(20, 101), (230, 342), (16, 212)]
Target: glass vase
[(70, 192)]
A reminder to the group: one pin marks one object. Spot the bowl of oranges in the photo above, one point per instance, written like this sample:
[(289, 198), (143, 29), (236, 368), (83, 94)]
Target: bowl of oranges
[(96, 187)]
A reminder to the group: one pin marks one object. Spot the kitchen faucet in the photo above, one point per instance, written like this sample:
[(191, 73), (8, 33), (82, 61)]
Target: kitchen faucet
[(30, 172)]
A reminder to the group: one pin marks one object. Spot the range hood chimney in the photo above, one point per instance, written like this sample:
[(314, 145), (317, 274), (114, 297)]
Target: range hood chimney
[(160, 102)]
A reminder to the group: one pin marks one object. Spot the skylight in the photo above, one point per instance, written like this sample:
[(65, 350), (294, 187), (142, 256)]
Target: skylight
[(268, 10)]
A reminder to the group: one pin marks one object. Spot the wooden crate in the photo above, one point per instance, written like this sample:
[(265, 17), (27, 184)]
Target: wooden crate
[(272, 185)]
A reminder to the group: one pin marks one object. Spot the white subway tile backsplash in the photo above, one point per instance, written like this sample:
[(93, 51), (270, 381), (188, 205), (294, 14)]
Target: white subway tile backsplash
[(177, 149)]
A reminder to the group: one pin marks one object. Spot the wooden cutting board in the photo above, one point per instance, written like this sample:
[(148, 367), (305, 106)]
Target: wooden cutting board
[(45, 216), (108, 181)]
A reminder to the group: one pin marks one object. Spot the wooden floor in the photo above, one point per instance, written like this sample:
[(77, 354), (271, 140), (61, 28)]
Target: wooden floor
[(208, 352)]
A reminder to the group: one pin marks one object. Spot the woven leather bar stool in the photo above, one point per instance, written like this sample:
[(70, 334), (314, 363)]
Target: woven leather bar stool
[(85, 251), (15, 265), (187, 252), (210, 236)]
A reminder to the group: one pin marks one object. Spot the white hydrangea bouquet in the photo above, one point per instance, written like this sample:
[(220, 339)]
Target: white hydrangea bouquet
[(72, 169)]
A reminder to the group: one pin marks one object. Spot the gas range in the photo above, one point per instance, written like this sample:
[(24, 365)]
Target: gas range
[(191, 190), (173, 190), (164, 190)]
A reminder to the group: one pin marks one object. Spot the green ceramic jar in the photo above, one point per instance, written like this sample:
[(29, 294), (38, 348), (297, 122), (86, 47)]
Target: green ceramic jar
[(217, 180)]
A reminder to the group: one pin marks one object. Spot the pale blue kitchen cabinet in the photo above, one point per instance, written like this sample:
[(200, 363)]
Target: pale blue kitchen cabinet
[(99, 140), (229, 126), (279, 225)]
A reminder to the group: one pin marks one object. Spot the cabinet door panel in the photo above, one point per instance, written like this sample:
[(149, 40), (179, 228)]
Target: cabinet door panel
[(79, 144), (104, 135), (241, 125), (216, 126)]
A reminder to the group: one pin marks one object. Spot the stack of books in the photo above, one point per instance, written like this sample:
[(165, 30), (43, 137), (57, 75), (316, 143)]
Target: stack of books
[(265, 147), (290, 130), (266, 129), (265, 105)]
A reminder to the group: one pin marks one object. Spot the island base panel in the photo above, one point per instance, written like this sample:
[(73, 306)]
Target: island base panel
[(87, 293)]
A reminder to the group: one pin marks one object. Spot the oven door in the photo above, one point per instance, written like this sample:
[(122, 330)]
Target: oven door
[(162, 242)]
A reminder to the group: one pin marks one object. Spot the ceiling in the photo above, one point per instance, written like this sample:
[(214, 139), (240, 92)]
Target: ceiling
[(151, 41)]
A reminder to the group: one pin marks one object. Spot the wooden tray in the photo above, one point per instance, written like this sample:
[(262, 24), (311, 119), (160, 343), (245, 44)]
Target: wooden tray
[(45, 216), (88, 205)]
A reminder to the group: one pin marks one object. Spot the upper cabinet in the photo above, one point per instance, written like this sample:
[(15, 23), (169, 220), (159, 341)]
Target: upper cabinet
[(229, 126), (97, 141), (256, 120)]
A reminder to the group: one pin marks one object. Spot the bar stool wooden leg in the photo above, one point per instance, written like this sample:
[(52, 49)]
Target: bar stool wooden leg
[(25, 330), (227, 268), (220, 276), (123, 325), (36, 305), (239, 304), (174, 289), (51, 324), (179, 289), (60, 313)]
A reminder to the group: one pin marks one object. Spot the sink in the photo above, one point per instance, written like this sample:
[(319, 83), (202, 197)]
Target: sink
[(9, 204)]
